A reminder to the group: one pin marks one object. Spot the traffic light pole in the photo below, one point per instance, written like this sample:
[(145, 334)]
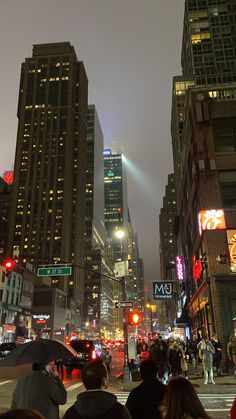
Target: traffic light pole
[(126, 371)]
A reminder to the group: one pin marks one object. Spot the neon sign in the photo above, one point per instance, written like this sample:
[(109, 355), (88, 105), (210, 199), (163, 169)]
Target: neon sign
[(179, 267), (233, 249), (197, 269), (8, 177), (211, 220)]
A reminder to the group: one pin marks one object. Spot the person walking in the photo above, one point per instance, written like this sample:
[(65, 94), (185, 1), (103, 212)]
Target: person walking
[(181, 401), (231, 351), (41, 390), (144, 400), (95, 402), (217, 356), (206, 351), (158, 352), (193, 352), (175, 356)]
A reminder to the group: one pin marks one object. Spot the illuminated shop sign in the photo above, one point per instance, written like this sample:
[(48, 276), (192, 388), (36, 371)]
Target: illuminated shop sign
[(179, 267), (41, 316), (211, 220), (233, 249), (197, 269), (8, 176), (107, 152)]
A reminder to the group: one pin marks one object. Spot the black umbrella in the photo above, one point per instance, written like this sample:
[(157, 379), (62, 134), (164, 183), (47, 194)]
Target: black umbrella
[(39, 350)]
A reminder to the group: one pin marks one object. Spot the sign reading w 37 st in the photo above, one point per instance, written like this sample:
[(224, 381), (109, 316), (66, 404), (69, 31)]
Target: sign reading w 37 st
[(162, 290)]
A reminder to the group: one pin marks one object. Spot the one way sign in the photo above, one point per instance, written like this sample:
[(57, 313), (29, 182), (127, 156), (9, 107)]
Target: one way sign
[(124, 304)]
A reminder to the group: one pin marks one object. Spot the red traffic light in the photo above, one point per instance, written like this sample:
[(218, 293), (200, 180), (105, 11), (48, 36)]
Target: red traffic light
[(134, 318), (9, 264)]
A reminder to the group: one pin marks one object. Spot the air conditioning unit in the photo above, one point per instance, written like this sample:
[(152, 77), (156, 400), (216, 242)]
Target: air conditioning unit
[(212, 164), (201, 164)]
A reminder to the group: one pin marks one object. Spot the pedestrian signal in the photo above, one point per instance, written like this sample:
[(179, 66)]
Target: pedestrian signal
[(134, 318)]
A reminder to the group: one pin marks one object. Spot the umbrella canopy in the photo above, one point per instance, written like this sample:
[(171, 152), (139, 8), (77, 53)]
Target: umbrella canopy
[(39, 350)]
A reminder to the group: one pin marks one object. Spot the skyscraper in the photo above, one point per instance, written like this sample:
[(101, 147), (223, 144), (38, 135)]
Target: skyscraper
[(98, 302), (116, 206), (116, 216), (204, 150), (209, 48), (48, 200)]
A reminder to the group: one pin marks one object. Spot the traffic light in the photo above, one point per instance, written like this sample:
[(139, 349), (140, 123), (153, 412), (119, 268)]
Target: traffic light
[(9, 264), (134, 318)]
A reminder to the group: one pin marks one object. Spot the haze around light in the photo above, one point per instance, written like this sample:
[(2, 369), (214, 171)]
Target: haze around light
[(131, 50)]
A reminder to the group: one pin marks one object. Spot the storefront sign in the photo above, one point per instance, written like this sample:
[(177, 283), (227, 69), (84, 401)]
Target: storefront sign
[(41, 316), (197, 269), (233, 249), (211, 220), (162, 290), (179, 266)]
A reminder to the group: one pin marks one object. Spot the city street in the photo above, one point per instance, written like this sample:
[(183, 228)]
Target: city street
[(217, 399)]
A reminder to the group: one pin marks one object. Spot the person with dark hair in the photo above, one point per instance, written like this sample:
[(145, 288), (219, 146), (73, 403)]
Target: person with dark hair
[(96, 403), (144, 400), (206, 351), (181, 401), (21, 414), (41, 390)]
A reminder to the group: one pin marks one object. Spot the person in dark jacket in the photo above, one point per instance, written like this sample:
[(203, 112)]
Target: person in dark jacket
[(144, 400), (41, 390), (95, 403)]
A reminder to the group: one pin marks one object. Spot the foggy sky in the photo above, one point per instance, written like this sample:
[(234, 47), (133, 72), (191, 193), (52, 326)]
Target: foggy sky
[(131, 50)]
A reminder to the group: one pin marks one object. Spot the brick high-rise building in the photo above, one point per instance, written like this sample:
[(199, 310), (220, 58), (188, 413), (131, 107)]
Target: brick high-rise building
[(208, 49), (47, 222), (204, 150)]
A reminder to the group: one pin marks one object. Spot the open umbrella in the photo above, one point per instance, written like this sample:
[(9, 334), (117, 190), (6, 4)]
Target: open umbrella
[(39, 350)]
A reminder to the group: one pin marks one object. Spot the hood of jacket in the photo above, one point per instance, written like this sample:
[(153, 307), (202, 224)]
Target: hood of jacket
[(93, 403)]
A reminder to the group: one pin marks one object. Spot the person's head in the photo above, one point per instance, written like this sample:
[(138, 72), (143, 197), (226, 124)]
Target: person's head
[(95, 375), (232, 338), (21, 414), (174, 345), (215, 337), (148, 369), (181, 398), (39, 366)]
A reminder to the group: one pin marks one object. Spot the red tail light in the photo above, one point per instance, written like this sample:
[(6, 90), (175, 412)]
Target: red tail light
[(93, 354)]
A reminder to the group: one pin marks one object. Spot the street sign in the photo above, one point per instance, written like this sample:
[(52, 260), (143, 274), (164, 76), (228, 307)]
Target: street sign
[(54, 270), (162, 290), (124, 304), (121, 269)]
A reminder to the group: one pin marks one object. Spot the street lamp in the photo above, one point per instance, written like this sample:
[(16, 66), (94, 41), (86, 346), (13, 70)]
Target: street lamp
[(149, 306), (126, 372)]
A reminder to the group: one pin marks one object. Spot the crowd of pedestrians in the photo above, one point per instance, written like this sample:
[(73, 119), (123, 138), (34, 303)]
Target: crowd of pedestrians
[(164, 393)]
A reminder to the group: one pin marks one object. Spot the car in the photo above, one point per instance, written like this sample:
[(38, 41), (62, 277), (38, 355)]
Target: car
[(6, 348), (85, 352)]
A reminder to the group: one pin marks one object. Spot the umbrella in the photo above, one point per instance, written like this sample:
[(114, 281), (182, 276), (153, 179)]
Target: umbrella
[(39, 350)]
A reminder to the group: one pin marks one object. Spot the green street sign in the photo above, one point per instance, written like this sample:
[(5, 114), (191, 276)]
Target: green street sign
[(54, 271)]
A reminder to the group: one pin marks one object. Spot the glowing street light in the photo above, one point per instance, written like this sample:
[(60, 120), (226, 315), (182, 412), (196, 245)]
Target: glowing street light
[(119, 234)]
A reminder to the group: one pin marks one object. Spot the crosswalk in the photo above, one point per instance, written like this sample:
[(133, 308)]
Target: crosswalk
[(224, 401), (217, 402)]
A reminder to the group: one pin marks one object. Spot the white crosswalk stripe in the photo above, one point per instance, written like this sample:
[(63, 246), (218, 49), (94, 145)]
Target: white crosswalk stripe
[(122, 396), (227, 399), (5, 382)]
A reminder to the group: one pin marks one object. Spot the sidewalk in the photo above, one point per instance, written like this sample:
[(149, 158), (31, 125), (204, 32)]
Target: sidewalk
[(223, 384)]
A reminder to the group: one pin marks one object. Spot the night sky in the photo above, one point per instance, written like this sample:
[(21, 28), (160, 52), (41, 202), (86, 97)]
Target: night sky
[(131, 50)]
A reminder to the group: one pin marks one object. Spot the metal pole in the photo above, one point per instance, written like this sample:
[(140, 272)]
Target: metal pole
[(126, 371), (151, 319)]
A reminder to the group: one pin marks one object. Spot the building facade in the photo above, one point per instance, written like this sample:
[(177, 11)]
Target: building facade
[(98, 297), (204, 151), (48, 198)]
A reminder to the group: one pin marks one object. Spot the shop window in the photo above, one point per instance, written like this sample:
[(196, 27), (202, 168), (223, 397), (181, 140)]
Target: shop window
[(228, 188), (224, 132)]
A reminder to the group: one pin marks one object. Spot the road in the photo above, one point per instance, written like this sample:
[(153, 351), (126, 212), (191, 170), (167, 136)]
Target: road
[(217, 399)]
